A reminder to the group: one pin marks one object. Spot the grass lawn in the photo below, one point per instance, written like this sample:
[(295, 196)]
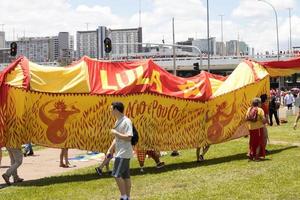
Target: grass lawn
[(226, 174)]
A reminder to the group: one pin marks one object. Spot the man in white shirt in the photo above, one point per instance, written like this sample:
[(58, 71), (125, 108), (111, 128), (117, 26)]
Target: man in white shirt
[(123, 149), (289, 100)]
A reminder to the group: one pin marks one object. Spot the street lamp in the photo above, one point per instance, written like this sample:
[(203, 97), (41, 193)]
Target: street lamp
[(208, 45), (281, 80), (276, 25)]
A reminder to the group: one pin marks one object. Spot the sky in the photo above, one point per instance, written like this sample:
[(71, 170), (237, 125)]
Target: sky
[(252, 21)]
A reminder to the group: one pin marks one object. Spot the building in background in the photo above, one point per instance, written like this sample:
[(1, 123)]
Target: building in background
[(87, 44), (220, 49), (91, 43), (44, 49), (130, 35), (236, 48), (203, 46), (188, 42), (2, 39)]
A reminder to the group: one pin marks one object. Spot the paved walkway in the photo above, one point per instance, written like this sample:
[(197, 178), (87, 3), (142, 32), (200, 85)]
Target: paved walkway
[(44, 163)]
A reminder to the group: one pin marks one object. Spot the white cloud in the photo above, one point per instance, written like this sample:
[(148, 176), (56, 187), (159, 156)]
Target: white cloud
[(255, 8), (46, 18), (253, 20)]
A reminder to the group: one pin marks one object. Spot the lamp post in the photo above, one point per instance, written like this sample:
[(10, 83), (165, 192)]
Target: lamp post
[(222, 45), (208, 44), (276, 25), (290, 43), (281, 80)]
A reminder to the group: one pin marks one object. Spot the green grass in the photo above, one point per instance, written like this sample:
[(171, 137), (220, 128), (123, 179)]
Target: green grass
[(226, 174), (285, 132)]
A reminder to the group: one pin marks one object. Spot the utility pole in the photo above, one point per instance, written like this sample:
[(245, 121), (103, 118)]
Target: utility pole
[(222, 41), (208, 43), (140, 13), (87, 26), (174, 53), (290, 43)]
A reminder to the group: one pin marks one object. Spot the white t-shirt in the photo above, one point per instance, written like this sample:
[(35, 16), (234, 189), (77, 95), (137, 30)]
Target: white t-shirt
[(124, 148), (288, 99)]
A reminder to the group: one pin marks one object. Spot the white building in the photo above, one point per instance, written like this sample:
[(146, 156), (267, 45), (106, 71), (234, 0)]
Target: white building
[(91, 43), (42, 49), (203, 46), (87, 44), (131, 35), (2, 39)]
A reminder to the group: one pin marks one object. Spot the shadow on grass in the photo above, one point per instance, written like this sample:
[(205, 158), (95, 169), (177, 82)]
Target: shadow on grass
[(136, 171)]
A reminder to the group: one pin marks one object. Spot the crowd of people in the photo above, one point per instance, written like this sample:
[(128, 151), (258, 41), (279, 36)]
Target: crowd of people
[(259, 115)]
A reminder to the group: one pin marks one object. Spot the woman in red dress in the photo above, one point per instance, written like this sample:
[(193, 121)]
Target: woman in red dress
[(256, 123)]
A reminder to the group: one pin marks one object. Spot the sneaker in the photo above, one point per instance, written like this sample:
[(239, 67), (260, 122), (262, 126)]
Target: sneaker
[(160, 165), (18, 180), (6, 179), (99, 171)]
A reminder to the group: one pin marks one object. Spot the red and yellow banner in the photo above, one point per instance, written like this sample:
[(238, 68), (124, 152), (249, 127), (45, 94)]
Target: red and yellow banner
[(70, 106)]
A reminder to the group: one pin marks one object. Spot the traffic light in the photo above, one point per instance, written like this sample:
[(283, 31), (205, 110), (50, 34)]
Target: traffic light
[(196, 66), (107, 45), (13, 49)]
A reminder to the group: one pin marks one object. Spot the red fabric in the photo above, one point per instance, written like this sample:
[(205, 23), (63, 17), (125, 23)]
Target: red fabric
[(286, 64), (257, 141), (265, 107), (170, 85), (250, 64), (141, 155)]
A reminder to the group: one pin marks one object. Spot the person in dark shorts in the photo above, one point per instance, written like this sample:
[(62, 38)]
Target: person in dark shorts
[(122, 132)]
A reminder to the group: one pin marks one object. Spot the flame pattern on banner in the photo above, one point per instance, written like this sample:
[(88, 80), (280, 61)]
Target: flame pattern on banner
[(163, 122)]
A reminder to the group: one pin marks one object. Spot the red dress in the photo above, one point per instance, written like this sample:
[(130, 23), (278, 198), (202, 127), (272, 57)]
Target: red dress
[(256, 140)]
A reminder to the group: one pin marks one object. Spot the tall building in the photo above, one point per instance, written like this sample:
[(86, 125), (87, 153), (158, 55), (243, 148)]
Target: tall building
[(220, 49), (131, 35), (188, 42), (87, 44), (42, 49), (2, 39), (203, 46), (236, 48), (91, 43)]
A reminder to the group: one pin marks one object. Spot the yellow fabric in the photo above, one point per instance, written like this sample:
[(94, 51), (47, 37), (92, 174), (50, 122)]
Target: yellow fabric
[(282, 72), (73, 79), (15, 77), (240, 77), (163, 123), (215, 84), (259, 123)]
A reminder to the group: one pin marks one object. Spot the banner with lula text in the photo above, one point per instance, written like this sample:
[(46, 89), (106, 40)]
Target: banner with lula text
[(83, 121)]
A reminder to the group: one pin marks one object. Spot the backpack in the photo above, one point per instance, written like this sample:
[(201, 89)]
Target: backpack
[(135, 136), (252, 115)]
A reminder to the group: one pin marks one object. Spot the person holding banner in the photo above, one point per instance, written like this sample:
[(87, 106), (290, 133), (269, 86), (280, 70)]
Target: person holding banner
[(123, 132), (0, 154), (256, 123), (200, 152), (297, 119), (16, 159), (64, 156)]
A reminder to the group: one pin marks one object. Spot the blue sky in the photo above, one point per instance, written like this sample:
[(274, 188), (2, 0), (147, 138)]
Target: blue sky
[(248, 20)]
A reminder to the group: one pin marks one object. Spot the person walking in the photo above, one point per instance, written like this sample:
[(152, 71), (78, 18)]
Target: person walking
[(273, 110), (123, 132), (16, 159), (289, 100)]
